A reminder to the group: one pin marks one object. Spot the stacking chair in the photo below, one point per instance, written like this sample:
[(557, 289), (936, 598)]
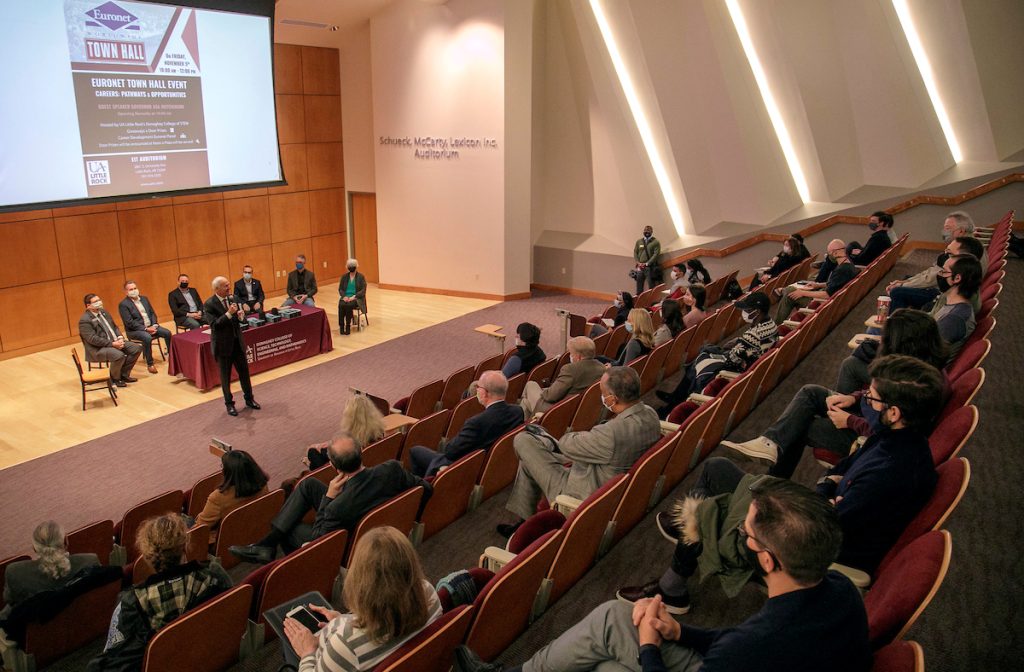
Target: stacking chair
[(434, 647), (906, 587), (556, 420), (207, 638), (195, 498), (126, 550), (465, 410), (452, 490), (382, 450), (246, 524), (95, 538), (424, 399), (590, 410), (93, 380), (499, 469), (454, 385), (399, 512), (900, 656), (427, 432)]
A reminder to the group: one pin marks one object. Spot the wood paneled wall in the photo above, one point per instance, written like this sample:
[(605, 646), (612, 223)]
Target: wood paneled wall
[(49, 259)]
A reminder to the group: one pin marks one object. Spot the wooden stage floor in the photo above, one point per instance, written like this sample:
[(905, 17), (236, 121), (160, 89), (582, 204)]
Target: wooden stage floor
[(41, 404)]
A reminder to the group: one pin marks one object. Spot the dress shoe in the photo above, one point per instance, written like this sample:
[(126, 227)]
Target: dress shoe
[(761, 448), (677, 605), (508, 529), (467, 661), (232, 410), (151, 368), (119, 383), (129, 379), (251, 403), (253, 553)]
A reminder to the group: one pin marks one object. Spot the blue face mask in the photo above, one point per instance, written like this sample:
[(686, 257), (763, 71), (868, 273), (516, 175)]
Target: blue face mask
[(299, 266), (873, 417), (629, 327)]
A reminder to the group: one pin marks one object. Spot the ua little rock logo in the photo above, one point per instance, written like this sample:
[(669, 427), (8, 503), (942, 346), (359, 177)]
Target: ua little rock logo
[(99, 172), (250, 354), (109, 15)]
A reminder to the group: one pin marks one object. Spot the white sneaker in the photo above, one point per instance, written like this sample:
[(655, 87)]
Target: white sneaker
[(760, 448)]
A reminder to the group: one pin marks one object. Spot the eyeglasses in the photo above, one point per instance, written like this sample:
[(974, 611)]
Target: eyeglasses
[(744, 535), (868, 397)]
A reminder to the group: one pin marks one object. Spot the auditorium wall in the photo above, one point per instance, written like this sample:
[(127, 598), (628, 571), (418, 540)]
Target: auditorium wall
[(49, 259)]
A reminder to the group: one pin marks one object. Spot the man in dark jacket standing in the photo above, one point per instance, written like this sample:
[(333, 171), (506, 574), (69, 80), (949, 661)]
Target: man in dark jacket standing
[(224, 316)]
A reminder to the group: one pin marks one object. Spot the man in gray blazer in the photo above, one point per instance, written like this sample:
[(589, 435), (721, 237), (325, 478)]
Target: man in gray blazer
[(580, 373), (104, 342), (597, 456)]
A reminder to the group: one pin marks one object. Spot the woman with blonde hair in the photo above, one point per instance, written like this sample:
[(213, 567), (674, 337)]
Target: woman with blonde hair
[(641, 341), (390, 601), (51, 569), (363, 422)]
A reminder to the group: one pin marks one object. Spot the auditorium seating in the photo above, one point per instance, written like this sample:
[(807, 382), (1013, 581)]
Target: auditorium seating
[(454, 385), (465, 410), (398, 512), (3, 572), (499, 470), (899, 656), (433, 648), (380, 451), (246, 525), (557, 419), (195, 498), (426, 432), (126, 549), (95, 538), (453, 488)]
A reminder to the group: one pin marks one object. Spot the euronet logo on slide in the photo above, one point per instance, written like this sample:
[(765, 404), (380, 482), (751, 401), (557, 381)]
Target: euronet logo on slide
[(110, 16)]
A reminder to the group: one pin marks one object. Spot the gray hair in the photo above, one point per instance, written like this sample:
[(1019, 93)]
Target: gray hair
[(351, 262), (624, 383), (582, 347), (216, 281), (494, 383), (48, 543), (963, 220)]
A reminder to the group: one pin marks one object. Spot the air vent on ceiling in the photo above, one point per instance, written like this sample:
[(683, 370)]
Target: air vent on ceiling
[(304, 24)]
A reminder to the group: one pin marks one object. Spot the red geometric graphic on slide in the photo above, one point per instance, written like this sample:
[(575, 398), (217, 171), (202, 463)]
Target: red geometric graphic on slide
[(190, 39)]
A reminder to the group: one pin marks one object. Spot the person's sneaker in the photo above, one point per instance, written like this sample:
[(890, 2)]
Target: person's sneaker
[(667, 527), (761, 448), (253, 553), (467, 661), (677, 605)]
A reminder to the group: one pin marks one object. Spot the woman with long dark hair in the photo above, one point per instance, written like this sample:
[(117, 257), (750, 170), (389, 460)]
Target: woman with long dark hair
[(243, 482)]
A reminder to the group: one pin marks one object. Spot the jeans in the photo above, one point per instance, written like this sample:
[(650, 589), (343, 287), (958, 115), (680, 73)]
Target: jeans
[(146, 339), (912, 297), (291, 302), (805, 421)]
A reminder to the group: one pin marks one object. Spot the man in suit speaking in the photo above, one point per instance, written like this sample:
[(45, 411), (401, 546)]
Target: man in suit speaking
[(224, 316)]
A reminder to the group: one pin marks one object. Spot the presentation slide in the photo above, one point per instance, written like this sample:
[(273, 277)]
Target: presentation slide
[(120, 98)]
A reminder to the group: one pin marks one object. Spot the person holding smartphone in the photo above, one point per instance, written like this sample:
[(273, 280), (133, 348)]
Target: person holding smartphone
[(387, 609)]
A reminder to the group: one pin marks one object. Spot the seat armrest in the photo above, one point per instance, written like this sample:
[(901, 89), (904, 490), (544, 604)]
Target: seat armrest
[(792, 324), (728, 375), (494, 558), (857, 577), (699, 398), (565, 504), (668, 427), (807, 311)]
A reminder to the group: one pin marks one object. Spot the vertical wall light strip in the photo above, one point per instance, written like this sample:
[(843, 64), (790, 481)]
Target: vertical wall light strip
[(925, 67), (769, 100), (672, 201)]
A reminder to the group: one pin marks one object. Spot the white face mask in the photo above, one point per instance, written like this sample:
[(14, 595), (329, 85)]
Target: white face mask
[(675, 275), (748, 317), (604, 404), (96, 305), (134, 293), (247, 276)]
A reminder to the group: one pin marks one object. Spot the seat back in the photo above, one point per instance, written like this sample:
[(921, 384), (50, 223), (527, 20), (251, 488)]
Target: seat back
[(558, 418), (434, 647), (399, 512), (311, 568), (981, 331), (952, 432), (543, 373), (577, 325), (901, 656), (465, 410), (246, 524), (85, 619), (968, 358), (601, 342), (381, 451), (643, 479), (685, 455), (516, 385), (78, 363), (962, 390), (452, 488), (95, 538), (616, 341), (700, 337), (954, 477), (503, 606), (589, 411), (723, 318), (719, 425), (500, 465), (427, 432), (168, 502), (424, 399), (195, 498), (454, 385), (655, 362), (584, 530), (758, 371), (492, 363), (562, 361), (678, 350), (205, 639), (909, 583), (3, 571)]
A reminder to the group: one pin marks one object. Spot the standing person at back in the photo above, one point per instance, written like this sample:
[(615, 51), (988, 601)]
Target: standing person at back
[(646, 252), (301, 284)]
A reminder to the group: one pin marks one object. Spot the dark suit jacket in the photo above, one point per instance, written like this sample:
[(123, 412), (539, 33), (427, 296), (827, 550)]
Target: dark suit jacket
[(179, 306), (367, 489), (225, 330), (94, 336), (878, 242), (257, 290), (131, 317), (308, 278), (483, 429), (360, 289)]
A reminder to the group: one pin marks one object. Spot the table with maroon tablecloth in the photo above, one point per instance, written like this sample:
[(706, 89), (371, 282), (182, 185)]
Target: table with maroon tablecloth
[(266, 347)]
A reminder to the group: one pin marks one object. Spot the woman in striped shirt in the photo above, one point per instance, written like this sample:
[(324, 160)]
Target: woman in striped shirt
[(386, 609)]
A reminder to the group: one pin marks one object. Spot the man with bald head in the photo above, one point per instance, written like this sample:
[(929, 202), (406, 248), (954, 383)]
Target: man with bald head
[(575, 377), (224, 315), (843, 272), (478, 433)]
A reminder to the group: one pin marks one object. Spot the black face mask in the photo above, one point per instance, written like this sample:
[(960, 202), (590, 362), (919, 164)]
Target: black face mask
[(873, 226), (183, 285), (943, 284), (753, 560), (941, 260)]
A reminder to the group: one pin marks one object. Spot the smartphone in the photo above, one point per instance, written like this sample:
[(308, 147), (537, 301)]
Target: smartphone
[(307, 617), (218, 447)]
